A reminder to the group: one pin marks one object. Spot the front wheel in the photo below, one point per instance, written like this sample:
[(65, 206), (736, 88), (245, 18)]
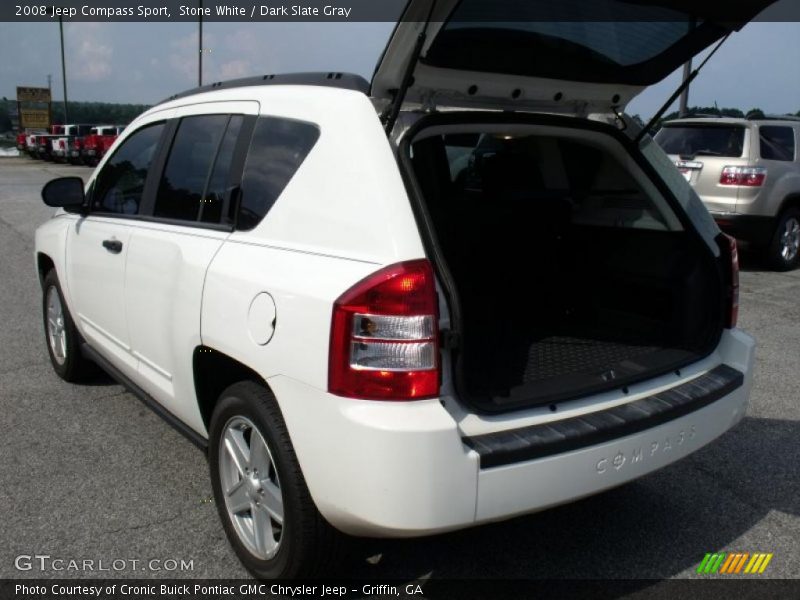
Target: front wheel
[(261, 495), (783, 253), (63, 339)]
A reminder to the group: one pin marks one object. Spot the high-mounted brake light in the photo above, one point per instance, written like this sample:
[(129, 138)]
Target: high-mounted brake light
[(745, 176), (384, 336)]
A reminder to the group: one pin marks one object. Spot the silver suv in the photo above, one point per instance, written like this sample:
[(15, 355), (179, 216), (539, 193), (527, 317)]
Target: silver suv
[(747, 173)]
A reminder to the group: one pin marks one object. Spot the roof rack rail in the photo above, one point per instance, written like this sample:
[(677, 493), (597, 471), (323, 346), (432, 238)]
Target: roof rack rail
[(773, 118), (347, 81), (701, 116)]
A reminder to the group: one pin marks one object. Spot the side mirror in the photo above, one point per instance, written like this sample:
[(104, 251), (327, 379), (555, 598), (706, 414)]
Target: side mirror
[(64, 192)]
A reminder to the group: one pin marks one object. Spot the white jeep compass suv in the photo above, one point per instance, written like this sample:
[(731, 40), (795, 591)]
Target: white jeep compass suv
[(468, 290)]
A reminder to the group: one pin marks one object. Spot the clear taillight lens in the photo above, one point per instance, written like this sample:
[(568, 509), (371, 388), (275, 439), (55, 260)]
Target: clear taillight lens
[(746, 176), (384, 338)]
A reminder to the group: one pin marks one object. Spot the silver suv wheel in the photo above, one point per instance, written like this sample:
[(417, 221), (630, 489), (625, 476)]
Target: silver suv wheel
[(252, 489), (56, 333), (790, 239)]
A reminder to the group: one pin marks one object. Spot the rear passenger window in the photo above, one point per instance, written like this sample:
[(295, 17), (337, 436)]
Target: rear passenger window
[(180, 191), (119, 186), (777, 143), (278, 148), (218, 185)]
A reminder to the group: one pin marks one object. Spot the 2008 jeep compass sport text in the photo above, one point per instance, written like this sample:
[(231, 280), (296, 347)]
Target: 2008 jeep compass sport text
[(464, 291)]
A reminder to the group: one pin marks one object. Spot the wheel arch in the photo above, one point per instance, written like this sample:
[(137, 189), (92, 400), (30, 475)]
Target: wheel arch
[(213, 372), (790, 201), (44, 264)]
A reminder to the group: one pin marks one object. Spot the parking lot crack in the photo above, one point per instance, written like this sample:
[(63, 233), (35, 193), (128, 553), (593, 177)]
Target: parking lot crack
[(147, 525), (26, 241)]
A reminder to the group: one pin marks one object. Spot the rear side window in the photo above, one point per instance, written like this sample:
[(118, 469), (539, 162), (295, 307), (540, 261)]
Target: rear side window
[(776, 143), (278, 148), (180, 191), (218, 184), (692, 140), (119, 186)]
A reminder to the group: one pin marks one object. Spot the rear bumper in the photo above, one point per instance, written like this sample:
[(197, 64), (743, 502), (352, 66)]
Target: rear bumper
[(514, 489), (751, 228), (404, 469), (547, 439)]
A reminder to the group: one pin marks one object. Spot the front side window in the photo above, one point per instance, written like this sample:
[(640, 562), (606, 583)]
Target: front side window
[(120, 184), (777, 143), (277, 149)]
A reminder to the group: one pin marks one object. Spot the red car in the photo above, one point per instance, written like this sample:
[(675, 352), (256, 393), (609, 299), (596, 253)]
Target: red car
[(63, 148), (96, 144)]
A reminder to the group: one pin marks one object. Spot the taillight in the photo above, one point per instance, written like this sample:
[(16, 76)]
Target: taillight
[(384, 336), (746, 176), (730, 254)]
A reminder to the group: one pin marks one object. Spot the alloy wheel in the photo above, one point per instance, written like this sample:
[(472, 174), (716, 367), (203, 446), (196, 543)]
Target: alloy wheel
[(790, 239), (56, 332), (252, 489)]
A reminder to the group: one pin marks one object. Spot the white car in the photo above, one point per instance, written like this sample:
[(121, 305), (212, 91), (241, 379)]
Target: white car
[(64, 148), (411, 306)]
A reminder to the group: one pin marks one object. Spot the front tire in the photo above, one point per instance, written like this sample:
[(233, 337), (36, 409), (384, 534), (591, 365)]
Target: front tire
[(63, 339), (261, 495), (783, 253)]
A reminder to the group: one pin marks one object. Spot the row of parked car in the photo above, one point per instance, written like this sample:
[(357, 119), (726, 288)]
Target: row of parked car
[(76, 144), (747, 172)]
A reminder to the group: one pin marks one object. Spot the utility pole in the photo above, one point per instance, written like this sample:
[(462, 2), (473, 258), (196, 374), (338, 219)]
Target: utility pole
[(63, 67), (50, 100), (684, 104), (200, 47)]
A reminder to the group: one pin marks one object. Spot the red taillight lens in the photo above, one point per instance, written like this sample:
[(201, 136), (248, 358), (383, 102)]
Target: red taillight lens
[(384, 336), (729, 248), (746, 176)]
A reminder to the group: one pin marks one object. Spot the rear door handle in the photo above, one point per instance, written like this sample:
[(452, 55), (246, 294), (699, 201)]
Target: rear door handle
[(113, 246)]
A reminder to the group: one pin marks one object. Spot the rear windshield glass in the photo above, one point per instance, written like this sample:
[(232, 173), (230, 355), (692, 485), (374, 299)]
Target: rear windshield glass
[(616, 41), (702, 141), (503, 179)]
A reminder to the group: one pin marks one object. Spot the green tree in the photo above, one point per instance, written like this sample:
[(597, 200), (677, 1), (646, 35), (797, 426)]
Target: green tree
[(98, 112), (5, 120)]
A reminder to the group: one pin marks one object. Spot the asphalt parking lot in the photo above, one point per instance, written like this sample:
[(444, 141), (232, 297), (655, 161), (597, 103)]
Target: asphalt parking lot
[(88, 472)]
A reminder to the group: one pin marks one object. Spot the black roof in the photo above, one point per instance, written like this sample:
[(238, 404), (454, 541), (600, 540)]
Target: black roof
[(347, 81)]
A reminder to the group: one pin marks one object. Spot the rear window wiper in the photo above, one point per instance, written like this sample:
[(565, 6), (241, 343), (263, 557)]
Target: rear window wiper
[(707, 153)]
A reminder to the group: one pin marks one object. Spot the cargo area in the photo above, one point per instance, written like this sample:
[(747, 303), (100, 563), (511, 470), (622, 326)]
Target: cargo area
[(570, 273)]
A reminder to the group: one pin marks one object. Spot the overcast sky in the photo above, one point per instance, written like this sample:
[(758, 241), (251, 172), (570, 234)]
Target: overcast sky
[(146, 62)]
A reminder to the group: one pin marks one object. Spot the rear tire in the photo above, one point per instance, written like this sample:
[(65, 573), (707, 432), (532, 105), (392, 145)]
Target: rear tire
[(783, 253), (62, 337), (261, 495)]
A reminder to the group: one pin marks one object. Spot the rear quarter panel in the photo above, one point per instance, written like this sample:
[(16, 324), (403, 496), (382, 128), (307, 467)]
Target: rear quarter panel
[(343, 215)]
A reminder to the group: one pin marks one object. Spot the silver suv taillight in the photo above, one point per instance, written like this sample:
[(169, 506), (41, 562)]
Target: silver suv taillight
[(746, 176)]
